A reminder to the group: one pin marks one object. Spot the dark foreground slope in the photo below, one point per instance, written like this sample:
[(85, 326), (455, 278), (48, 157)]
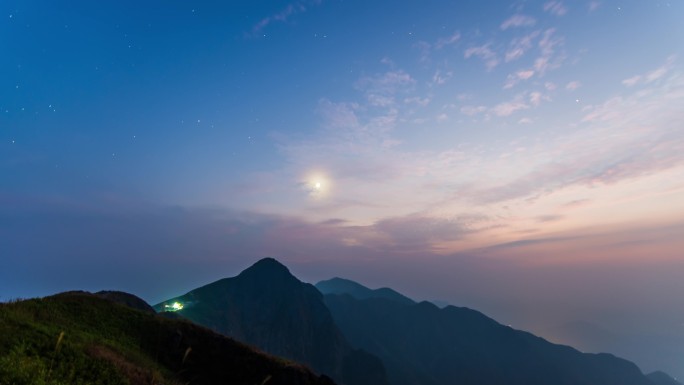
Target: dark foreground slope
[(422, 344), (270, 308), (81, 338)]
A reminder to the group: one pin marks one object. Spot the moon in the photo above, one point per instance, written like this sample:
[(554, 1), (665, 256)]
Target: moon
[(316, 185)]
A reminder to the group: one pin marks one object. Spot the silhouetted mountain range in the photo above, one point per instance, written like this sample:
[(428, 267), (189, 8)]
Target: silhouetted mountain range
[(269, 308), (422, 344), (417, 343), (345, 286), (354, 334)]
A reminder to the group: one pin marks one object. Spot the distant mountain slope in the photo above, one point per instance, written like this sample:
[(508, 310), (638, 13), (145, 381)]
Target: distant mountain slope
[(358, 291), (268, 307), (81, 338), (660, 378), (422, 344)]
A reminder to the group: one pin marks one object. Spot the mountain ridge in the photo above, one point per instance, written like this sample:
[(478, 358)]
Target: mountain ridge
[(266, 306), (339, 285), (453, 345)]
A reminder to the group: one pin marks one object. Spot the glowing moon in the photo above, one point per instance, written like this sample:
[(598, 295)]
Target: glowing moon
[(316, 185)]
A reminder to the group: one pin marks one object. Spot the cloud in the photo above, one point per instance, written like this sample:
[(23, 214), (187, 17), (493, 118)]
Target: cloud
[(485, 53), (536, 98), (548, 58), (629, 82), (549, 218), (417, 232), (447, 41), (594, 5), (380, 90), (513, 79), (440, 78), (418, 101), (518, 21), (473, 110), (653, 75), (571, 86), (339, 115), (519, 46), (646, 138), (426, 49), (282, 16), (508, 108), (555, 8), (660, 72)]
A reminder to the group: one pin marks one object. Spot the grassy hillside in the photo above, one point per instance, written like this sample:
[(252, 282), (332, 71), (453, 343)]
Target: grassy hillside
[(80, 338)]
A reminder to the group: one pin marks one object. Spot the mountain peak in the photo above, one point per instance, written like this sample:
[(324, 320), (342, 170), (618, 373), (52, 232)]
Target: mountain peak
[(267, 268), (268, 263)]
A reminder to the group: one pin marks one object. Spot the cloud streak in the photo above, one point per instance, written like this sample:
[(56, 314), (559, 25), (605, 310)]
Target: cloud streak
[(284, 15), (517, 21), (485, 53)]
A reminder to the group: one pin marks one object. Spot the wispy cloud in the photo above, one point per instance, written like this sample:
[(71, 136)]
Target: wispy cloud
[(440, 77), (629, 82), (427, 48), (485, 53), (447, 41), (513, 79), (549, 57), (283, 15), (518, 20), (508, 108), (573, 85), (555, 8), (646, 139), (473, 110), (653, 75), (519, 46)]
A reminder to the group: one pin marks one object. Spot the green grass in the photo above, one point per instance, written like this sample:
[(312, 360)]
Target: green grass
[(79, 338), (75, 339)]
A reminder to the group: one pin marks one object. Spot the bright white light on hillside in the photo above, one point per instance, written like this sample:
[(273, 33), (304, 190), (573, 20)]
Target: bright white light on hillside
[(174, 306)]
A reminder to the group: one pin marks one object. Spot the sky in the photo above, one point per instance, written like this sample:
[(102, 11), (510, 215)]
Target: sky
[(523, 158)]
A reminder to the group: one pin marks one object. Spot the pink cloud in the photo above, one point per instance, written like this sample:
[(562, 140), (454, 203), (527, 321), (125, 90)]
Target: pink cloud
[(508, 108), (519, 46), (518, 21), (571, 86), (555, 8), (485, 53)]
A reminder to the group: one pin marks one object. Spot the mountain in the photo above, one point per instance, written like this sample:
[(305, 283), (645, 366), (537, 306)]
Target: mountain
[(358, 291), (269, 308), (651, 350), (423, 344), (83, 338), (660, 378)]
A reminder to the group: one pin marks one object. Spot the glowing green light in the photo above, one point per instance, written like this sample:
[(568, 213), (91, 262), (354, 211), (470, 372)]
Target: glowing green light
[(174, 306)]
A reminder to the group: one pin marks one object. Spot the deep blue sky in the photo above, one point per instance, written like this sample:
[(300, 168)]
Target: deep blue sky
[(524, 158)]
